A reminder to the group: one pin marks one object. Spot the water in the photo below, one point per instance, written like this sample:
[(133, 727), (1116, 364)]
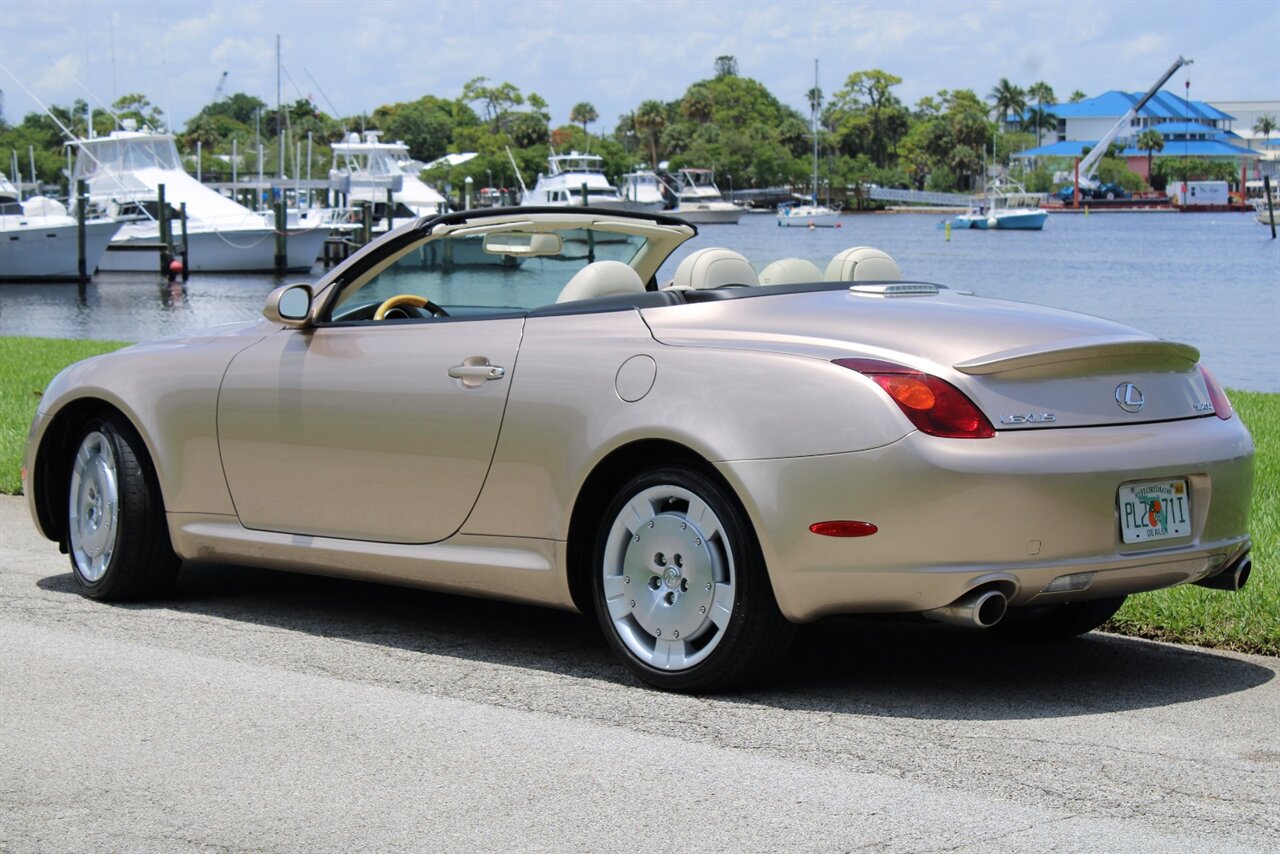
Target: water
[(1211, 280)]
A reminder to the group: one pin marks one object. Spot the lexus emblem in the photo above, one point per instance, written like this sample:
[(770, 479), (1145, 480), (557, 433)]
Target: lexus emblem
[(1130, 398)]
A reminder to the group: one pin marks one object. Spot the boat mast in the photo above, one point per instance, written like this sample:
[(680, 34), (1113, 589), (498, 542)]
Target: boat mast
[(279, 110), (813, 129)]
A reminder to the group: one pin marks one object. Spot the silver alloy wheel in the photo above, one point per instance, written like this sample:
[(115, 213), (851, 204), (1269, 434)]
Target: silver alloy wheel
[(668, 577), (94, 506)]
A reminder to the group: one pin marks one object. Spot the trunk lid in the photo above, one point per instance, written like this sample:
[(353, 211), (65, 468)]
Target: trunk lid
[(1025, 366)]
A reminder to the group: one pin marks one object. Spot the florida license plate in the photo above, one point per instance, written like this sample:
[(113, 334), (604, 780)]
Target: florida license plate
[(1160, 510)]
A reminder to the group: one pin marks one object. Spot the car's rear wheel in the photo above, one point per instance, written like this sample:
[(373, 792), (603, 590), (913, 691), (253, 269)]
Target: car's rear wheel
[(680, 586), (1057, 622), (116, 532)]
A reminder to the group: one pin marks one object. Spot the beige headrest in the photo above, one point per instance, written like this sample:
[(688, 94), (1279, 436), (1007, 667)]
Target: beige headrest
[(790, 271), (711, 268), (601, 279), (863, 264)]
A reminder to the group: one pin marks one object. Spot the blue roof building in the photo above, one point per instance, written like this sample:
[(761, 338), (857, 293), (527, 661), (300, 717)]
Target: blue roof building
[(1163, 107)]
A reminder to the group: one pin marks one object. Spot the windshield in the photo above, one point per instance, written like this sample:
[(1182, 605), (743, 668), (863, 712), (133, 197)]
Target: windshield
[(459, 274)]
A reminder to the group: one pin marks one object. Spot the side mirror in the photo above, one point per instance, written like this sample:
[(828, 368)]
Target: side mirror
[(289, 305)]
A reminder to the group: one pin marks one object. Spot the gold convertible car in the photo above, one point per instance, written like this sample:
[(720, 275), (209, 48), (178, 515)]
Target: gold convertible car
[(509, 403)]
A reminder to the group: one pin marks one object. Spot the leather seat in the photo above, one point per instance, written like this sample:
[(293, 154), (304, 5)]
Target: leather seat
[(601, 279), (863, 264), (712, 268), (790, 271)]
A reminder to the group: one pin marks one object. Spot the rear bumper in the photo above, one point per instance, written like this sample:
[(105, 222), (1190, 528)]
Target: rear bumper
[(1019, 510)]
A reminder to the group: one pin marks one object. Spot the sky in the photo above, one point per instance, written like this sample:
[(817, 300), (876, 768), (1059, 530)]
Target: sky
[(352, 56)]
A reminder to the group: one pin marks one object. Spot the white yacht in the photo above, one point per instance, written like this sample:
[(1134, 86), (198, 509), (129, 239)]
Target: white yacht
[(700, 201), (124, 171), (38, 240), (565, 178), (365, 169), (641, 191)]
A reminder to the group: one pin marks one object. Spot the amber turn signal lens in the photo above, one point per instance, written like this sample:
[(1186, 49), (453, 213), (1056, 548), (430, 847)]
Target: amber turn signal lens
[(909, 392)]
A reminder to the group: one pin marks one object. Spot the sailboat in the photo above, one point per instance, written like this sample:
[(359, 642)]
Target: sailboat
[(810, 214)]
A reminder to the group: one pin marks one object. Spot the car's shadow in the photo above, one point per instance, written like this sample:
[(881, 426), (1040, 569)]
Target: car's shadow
[(892, 668)]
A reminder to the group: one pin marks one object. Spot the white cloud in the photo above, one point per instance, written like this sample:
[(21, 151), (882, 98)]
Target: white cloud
[(615, 54)]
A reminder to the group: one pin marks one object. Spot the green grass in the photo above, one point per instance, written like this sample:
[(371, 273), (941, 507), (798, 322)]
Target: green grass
[(26, 366), (1248, 621)]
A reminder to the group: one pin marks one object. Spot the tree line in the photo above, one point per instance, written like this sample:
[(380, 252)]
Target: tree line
[(727, 122)]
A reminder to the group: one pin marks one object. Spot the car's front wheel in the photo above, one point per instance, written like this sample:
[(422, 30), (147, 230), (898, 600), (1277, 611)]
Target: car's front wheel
[(116, 531), (1057, 622), (680, 586)]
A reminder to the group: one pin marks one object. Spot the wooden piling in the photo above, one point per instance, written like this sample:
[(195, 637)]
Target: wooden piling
[(366, 223), (166, 240), (282, 249), (584, 194), (82, 203), (1271, 211), (186, 254)]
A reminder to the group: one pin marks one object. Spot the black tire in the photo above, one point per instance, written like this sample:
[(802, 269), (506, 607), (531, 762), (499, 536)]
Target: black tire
[(1056, 622), (1110, 195), (675, 550), (117, 535)]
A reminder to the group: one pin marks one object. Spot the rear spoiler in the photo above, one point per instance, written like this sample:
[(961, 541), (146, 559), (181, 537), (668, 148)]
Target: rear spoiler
[(1151, 354)]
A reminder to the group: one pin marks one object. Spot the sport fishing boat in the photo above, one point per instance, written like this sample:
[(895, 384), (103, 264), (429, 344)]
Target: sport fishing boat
[(365, 169), (641, 191), (38, 240), (700, 201), (567, 174), (124, 172)]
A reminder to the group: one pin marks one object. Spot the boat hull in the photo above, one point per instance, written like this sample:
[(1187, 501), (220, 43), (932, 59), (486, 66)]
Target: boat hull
[(708, 215), (830, 219), (248, 250), (643, 207), (50, 251), (1020, 221)]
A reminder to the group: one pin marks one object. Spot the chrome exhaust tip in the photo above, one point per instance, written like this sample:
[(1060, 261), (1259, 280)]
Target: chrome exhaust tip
[(1233, 578), (981, 609)]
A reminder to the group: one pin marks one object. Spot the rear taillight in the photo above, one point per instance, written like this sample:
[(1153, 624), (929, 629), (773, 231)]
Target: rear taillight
[(933, 405), (1221, 405)]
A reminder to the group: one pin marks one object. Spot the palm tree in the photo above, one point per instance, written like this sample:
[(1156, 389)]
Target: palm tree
[(583, 113), (1265, 125), (1008, 98), (1041, 92), (651, 119), (1150, 141)]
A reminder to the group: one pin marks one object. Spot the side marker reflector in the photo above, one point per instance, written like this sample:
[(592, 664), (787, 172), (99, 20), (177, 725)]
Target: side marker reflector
[(843, 528)]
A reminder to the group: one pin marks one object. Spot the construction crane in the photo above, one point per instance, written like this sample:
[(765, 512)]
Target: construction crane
[(220, 88), (1089, 166)]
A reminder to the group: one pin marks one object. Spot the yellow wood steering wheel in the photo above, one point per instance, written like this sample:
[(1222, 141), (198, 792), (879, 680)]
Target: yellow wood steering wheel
[(408, 299)]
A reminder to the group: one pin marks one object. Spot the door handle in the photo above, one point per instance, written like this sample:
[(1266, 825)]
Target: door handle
[(483, 372), (475, 371)]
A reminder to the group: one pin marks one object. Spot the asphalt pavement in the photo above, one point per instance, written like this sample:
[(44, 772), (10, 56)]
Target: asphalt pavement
[(256, 710)]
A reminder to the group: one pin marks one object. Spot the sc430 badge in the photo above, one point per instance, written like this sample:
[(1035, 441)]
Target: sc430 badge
[(1029, 418)]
